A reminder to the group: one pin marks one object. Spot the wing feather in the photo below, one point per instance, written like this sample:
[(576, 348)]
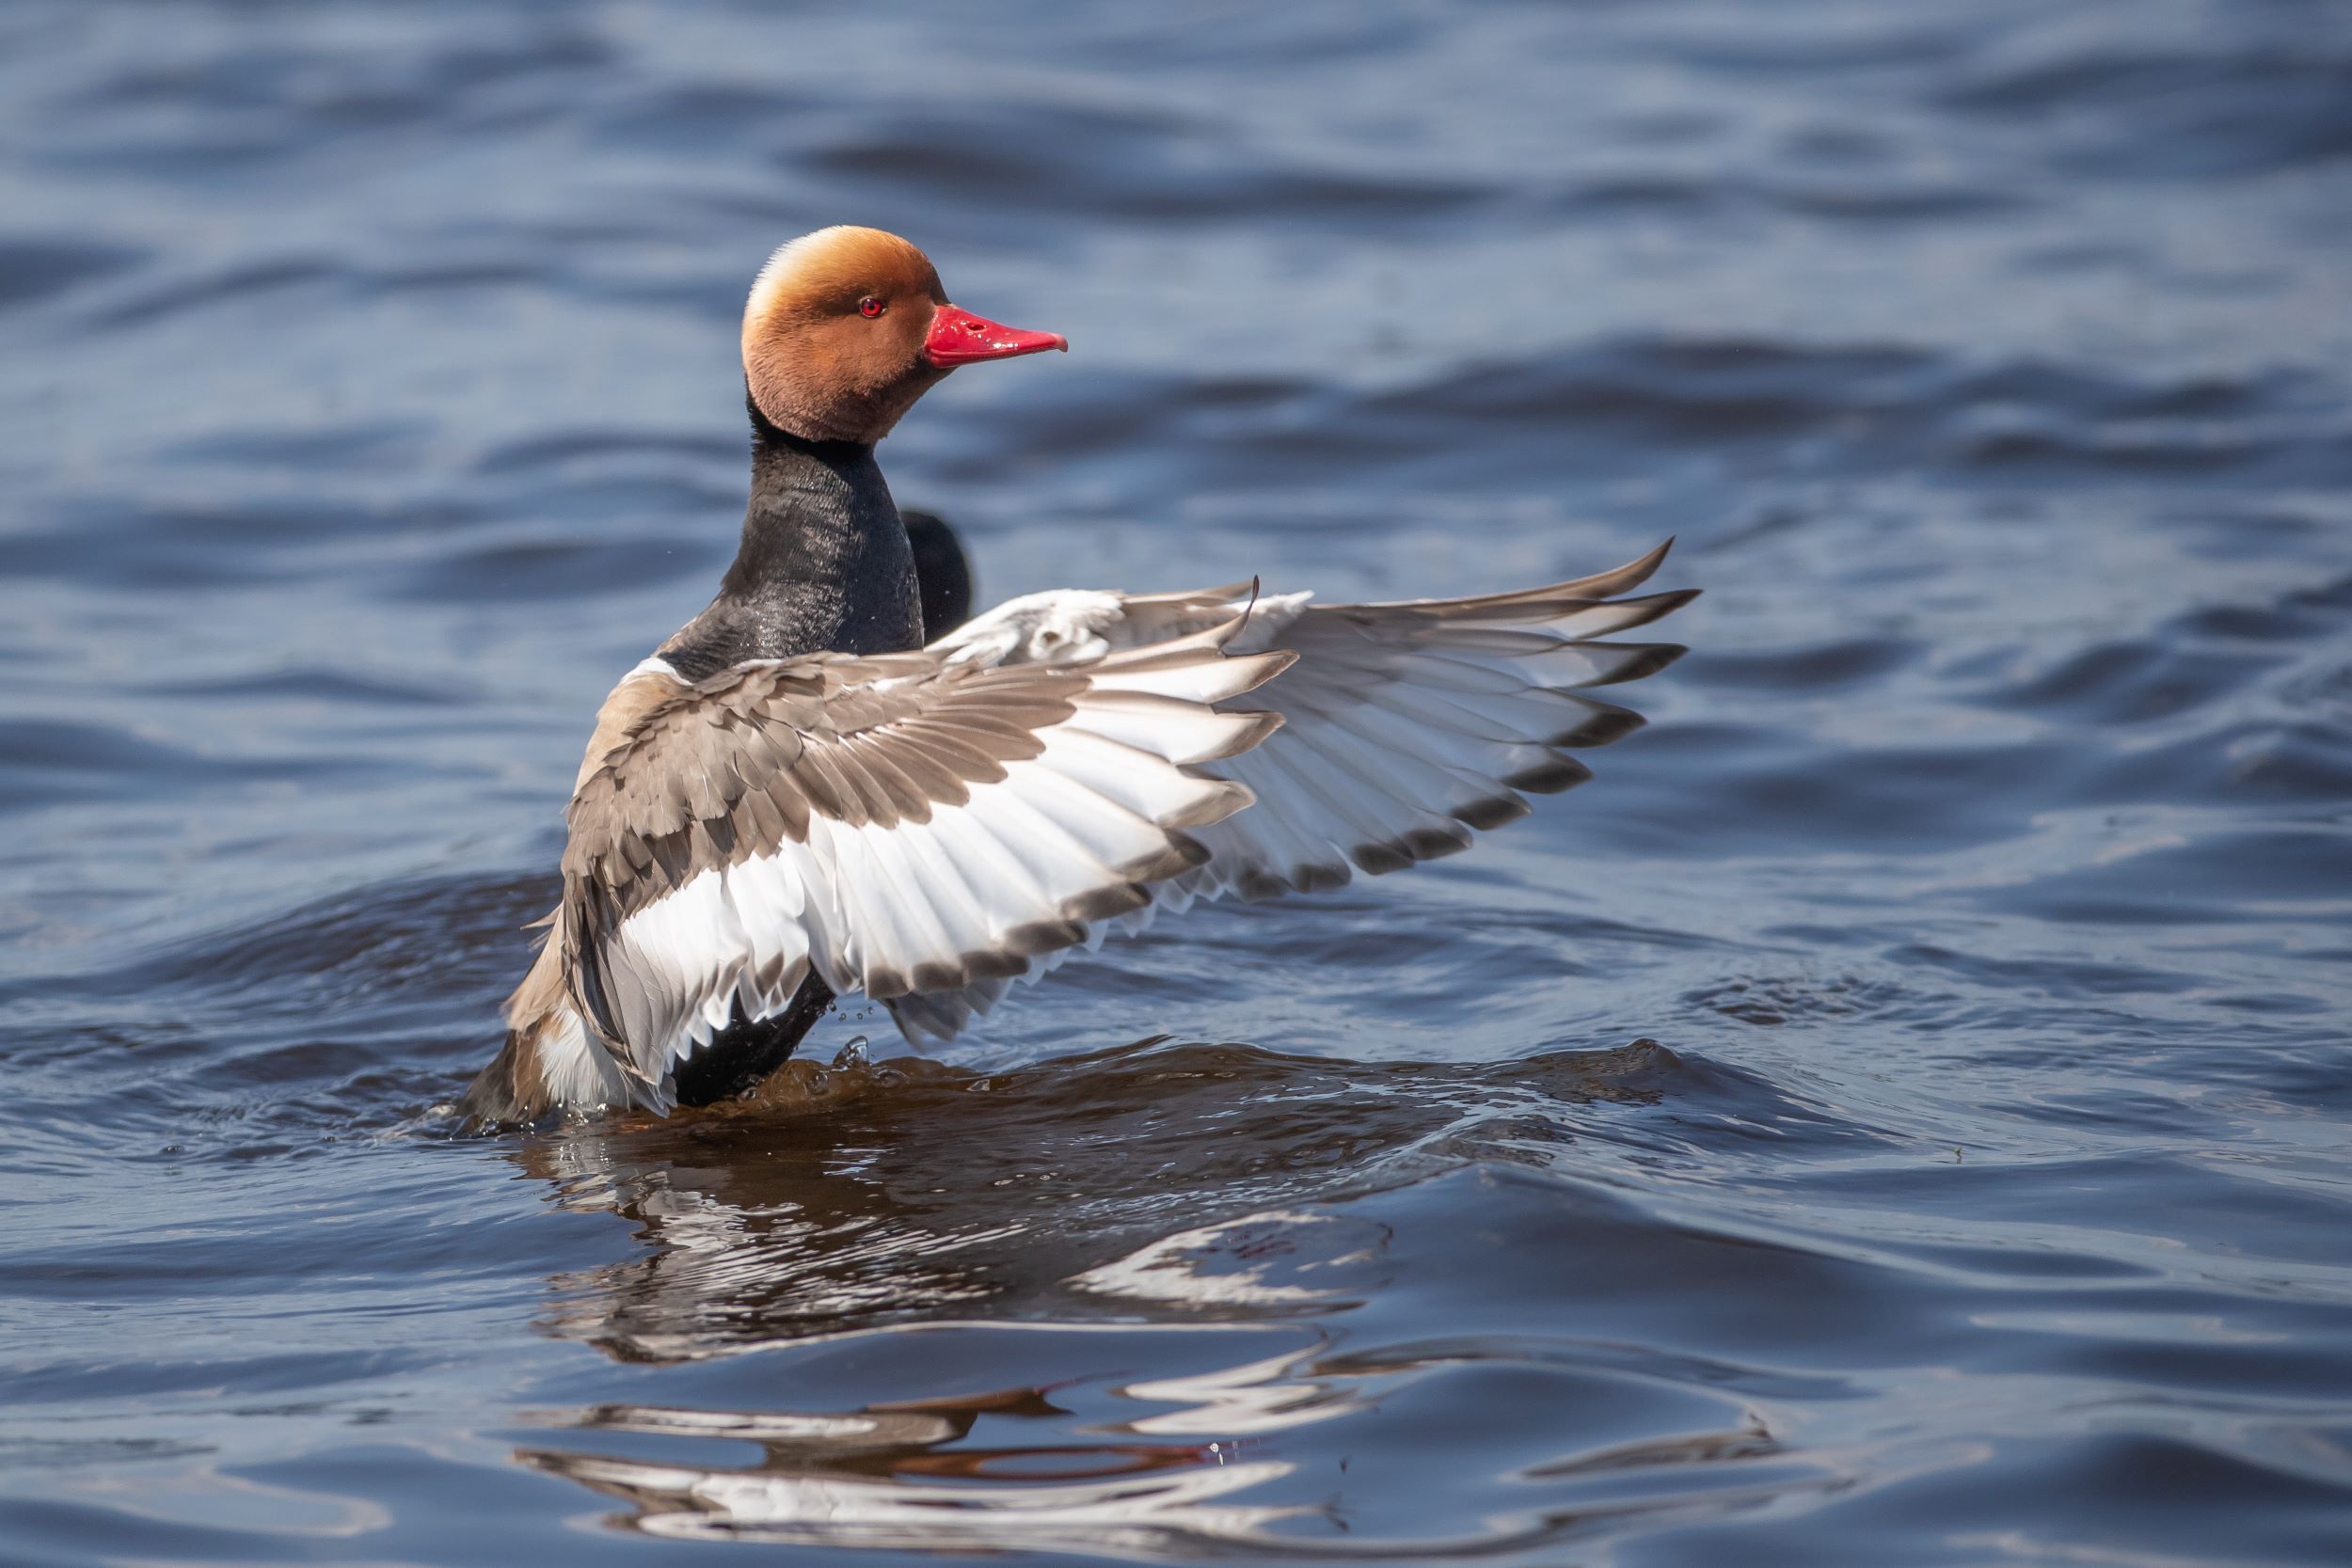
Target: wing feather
[(909, 823), (931, 827), (1408, 728)]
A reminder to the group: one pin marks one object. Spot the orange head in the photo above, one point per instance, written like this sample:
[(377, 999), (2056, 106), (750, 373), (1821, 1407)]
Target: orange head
[(846, 327)]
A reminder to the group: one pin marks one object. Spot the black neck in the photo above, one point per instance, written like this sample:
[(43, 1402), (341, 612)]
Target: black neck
[(824, 563)]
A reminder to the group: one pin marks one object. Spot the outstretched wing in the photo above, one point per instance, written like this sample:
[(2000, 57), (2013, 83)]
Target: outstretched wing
[(902, 823), (1406, 727)]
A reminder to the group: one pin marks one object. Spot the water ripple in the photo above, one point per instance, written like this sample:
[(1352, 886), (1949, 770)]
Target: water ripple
[(1897, 1113)]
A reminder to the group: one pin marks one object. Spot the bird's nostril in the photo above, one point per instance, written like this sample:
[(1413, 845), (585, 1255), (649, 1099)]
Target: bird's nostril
[(976, 329)]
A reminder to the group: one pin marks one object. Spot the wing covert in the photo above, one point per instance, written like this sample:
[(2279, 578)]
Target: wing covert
[(900, 823)]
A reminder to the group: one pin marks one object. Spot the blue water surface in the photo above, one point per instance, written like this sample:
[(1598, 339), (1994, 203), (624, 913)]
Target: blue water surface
[(1899, 1113)]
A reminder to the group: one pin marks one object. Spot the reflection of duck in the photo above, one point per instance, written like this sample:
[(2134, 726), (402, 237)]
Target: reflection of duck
[(1020, 1330), (1251, 1457), (1049, 1188), (855, 1228), (906, 1476), (796, 798)]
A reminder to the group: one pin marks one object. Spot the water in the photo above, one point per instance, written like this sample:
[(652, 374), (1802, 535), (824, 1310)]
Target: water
[(1897, 1113)]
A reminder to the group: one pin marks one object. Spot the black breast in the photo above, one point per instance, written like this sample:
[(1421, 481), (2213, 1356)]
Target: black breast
[(824, 564), (943, 573)]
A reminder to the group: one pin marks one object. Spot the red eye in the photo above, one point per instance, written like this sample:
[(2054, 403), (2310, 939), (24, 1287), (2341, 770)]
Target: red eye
[(870, 307)]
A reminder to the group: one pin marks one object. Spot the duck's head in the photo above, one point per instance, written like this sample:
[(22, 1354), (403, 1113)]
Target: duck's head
[(846, 327)]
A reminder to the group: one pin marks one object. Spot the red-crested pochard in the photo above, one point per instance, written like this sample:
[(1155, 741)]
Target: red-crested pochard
[(800, 795)]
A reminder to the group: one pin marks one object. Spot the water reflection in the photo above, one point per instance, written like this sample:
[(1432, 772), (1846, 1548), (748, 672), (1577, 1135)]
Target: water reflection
[(905, 1477), (1197, 1211), (852, 1196), (1281, 1455)]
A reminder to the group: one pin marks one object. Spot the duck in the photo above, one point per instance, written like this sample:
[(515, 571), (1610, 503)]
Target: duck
[(831, 783)]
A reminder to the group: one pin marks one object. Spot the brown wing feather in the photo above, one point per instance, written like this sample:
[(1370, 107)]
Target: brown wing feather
[(734, 766), (738, 766)]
